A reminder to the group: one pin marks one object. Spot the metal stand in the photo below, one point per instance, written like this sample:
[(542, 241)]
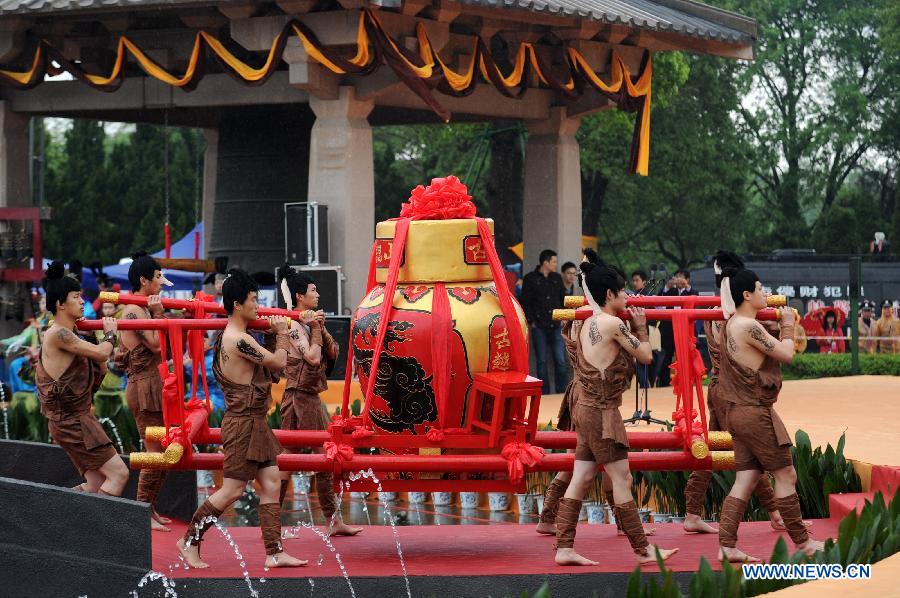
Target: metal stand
[(643, 415)]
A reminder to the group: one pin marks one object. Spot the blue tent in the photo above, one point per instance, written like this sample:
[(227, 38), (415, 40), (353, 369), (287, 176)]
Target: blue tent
[(184, 281)]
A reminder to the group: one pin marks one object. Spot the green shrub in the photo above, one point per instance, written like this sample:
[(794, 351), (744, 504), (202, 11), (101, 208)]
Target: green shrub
[(871, 536), (826, 365), (821, 473)]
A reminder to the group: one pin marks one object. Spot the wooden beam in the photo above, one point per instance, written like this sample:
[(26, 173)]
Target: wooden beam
[(590, 102), (138, 93), (333, 28), (484, 101), (308, 75), (413, 7), (296, 7), (238, 11), (379, 83)]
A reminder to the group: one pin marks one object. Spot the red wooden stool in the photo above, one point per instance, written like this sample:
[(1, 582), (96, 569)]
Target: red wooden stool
[(508, 391)]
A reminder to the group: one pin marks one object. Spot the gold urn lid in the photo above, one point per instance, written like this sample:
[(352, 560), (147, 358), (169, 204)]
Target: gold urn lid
[(436, 251)]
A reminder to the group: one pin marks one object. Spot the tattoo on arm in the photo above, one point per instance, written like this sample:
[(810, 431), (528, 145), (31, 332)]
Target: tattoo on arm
[(249, 350), (732, 345), (295, 334), (759, 336), (65, 336), (594, 333), (635, 343), (133, 316)]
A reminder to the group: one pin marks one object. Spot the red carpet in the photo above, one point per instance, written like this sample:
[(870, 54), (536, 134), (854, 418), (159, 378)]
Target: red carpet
[(457, 550)]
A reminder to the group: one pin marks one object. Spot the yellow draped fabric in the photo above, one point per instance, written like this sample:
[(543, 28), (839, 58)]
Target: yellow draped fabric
[(422, 73)]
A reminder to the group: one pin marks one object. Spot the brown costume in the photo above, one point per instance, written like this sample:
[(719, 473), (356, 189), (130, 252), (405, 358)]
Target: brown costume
[(564, 418), (698, 482), (249, 446), (66, 403), (144, 397), (596, 398), (302, 409), (247, 440), (761, 441), (557, 487)]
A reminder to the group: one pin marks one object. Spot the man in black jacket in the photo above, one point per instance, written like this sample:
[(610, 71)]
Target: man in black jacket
[(678, 286), (542, 291)]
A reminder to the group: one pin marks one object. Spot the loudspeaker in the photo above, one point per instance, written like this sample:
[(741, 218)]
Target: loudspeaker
[(306, 233), (328, 283)]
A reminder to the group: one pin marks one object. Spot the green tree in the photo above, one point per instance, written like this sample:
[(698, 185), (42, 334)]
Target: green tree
[(77, 191), (815, 100)]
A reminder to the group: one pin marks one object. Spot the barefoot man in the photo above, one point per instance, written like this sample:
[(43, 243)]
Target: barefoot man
[(139, 357), (244, 370), (312, 349), (557, 488), (749, 383), (603, 360), (698, 482), (67, 373)]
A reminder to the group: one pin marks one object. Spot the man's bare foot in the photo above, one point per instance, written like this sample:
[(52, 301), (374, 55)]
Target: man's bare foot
[(283, 559), (650, 557), (191, 554), (156, 526), (811, 547), (548, 529), (694, 525), (160, 518), (778, 523), (339, 528), (79, 488), (568, 556), (733, 555)]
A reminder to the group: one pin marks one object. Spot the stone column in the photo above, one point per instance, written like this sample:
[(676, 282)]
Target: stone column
[(15, 190), (552, 200), (341, 176), (210, 164)]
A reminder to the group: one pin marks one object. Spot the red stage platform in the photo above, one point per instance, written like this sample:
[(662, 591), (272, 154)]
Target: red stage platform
[(443, 555)]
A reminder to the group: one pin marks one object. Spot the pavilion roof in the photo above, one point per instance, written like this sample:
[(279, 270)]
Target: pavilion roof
[(682, 17)]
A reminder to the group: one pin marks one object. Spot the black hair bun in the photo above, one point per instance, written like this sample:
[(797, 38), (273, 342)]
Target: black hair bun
[(138, 254), (730, 272), (284, 272), (586, 267), (56, 270)]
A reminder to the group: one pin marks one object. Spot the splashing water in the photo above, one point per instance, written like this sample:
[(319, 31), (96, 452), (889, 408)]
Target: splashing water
[(115, 431), (312, 586), (5, 421), (387, 515), (237, 551), (167, 583), (337, 555)]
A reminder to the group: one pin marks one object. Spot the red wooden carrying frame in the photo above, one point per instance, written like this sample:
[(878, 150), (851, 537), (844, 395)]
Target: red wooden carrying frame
[(512, 426), (36, 272)]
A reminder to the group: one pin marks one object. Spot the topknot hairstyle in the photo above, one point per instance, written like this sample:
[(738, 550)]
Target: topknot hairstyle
[(57, 285)]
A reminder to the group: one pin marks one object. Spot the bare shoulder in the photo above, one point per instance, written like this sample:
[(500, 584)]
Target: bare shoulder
[(60, 337)]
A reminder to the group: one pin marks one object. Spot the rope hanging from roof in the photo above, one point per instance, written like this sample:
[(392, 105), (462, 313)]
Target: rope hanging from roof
[(423, 72)]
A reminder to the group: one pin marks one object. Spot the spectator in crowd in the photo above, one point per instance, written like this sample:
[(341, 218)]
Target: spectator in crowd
[(543, 290), (880, 247), (834, 336), (867, 328), (678, 286), (888, 328), (570, 277), (638, 282)]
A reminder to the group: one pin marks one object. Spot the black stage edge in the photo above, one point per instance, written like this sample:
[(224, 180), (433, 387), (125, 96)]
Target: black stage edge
[(58, 542), (48, 464), (601, 585)]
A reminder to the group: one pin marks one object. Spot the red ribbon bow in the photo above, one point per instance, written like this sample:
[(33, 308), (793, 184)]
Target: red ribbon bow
[(181, 435), (435, 434), (520, 454), (338, 452)]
